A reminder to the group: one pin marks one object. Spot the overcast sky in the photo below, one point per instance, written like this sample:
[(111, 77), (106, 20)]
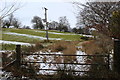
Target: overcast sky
[(56, 9)]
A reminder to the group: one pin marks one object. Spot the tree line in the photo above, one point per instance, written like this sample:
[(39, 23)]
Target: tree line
[(38, 23), (11, 21)]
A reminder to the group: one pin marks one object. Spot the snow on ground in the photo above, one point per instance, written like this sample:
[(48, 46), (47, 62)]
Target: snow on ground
[(55, 33), (65, 33), (3, 51), (31, 36), (13, 42), (52, 59), (86, 35)]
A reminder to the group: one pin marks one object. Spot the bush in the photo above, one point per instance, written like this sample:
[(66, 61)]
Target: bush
[(67, 47), (59, 48), (33, 48), (85, 38), (101, 44)]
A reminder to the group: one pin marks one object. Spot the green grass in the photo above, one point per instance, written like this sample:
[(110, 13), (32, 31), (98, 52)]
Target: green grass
[(60, 32), (8, 37), (32, 32), (8, 47), (24, 31)]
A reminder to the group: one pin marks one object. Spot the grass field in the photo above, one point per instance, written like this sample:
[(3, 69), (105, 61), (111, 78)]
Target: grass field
[(33, 32)]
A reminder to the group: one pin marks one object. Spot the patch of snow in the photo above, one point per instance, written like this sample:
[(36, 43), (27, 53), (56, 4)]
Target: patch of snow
[(52, 59), (86, 35), (92, 29), (1, 72), (3, 51), (13, 42), (56, 33), (65, 33), (31, 36), (5, 75), (81, 59)]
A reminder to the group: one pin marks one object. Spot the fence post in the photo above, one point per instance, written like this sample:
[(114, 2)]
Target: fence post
[(18, 55), (116, 56)]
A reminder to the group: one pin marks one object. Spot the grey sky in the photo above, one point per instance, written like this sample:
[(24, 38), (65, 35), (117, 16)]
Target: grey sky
[(56, 9)]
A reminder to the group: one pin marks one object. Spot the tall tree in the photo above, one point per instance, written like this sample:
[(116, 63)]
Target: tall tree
[(16, 23), (11, 21), (98, 15), (74, 30), (53, 25), (63, 24), (37, 22), (11, 17)]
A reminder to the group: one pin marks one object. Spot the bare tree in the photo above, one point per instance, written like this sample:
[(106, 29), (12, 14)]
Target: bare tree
[(11, 18), (11, 21), (8, 9), (97, 15), (63, 24), (7, 23), (16, 23)]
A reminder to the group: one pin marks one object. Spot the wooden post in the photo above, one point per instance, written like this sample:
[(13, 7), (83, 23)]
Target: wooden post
[(46, 23), (117, 55), (18, 55)]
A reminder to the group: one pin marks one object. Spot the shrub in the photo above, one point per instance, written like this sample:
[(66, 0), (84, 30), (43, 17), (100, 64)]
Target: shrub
[(67, 47), (85, 38), (33, 48), (101, 44)]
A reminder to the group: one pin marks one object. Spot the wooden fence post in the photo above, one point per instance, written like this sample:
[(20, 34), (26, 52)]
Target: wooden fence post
[(18, 55), (117, 56)]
